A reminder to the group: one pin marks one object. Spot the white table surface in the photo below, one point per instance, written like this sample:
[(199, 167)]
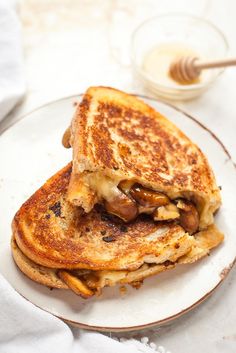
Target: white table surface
[(70, 45)]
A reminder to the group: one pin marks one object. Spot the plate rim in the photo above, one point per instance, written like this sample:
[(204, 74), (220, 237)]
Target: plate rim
[(224, 272)]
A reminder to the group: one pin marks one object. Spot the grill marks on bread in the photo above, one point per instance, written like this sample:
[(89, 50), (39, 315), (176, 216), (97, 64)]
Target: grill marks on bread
[(65, 242), (122, 138), (144, 144)]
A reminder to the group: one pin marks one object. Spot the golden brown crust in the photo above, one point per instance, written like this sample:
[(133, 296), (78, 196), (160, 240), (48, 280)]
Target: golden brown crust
[(204, 241), (43, 275), (124, 137), (145, 133), (52, 232), (85, 282)]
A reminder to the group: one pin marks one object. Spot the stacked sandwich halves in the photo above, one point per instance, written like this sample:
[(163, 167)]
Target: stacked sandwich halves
[(138, 198)]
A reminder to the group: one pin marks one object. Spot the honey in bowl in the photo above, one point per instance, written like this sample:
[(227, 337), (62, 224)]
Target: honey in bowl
[(157, 61)]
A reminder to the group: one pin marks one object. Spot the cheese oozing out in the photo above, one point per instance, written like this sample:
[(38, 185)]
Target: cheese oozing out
[(104, 187), (125, 200)]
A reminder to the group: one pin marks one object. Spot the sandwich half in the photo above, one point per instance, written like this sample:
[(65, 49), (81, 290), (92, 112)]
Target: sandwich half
[(132, 160), (59, 245)]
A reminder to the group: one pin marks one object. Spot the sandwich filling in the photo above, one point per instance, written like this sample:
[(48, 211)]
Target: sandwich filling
[(127, 199)]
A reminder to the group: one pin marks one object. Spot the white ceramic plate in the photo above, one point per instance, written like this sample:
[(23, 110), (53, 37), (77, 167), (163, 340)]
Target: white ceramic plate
[(31, 151)]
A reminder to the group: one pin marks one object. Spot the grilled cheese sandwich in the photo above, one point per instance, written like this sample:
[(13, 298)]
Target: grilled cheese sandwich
[(57, 245), (124, 150), (138, 199)]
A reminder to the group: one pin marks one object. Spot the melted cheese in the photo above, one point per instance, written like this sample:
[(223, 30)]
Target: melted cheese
[(104, 187), (167, 212)]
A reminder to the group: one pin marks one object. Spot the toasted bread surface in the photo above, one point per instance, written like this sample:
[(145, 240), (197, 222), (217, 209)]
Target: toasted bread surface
[(53, 233), (204, 241), (87, 282), (120, 136), (41, 274)]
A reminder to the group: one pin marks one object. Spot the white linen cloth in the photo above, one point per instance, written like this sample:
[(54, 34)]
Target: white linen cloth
[(24, 328), (12, 83)]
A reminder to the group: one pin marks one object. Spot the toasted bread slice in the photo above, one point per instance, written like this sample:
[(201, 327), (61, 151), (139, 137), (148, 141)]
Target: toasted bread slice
[(53, 233), (84, 284), (117, 137), (43, 275), (204, 242), (88, 282)]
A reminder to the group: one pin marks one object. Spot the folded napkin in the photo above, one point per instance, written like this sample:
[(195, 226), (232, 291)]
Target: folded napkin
[(24, 328), (12, 83)]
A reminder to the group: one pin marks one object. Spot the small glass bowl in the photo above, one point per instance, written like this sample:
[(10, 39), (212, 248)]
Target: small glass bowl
[(196, 33)]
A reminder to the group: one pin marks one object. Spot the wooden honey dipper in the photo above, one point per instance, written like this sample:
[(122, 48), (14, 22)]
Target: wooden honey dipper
[(187, 69)]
